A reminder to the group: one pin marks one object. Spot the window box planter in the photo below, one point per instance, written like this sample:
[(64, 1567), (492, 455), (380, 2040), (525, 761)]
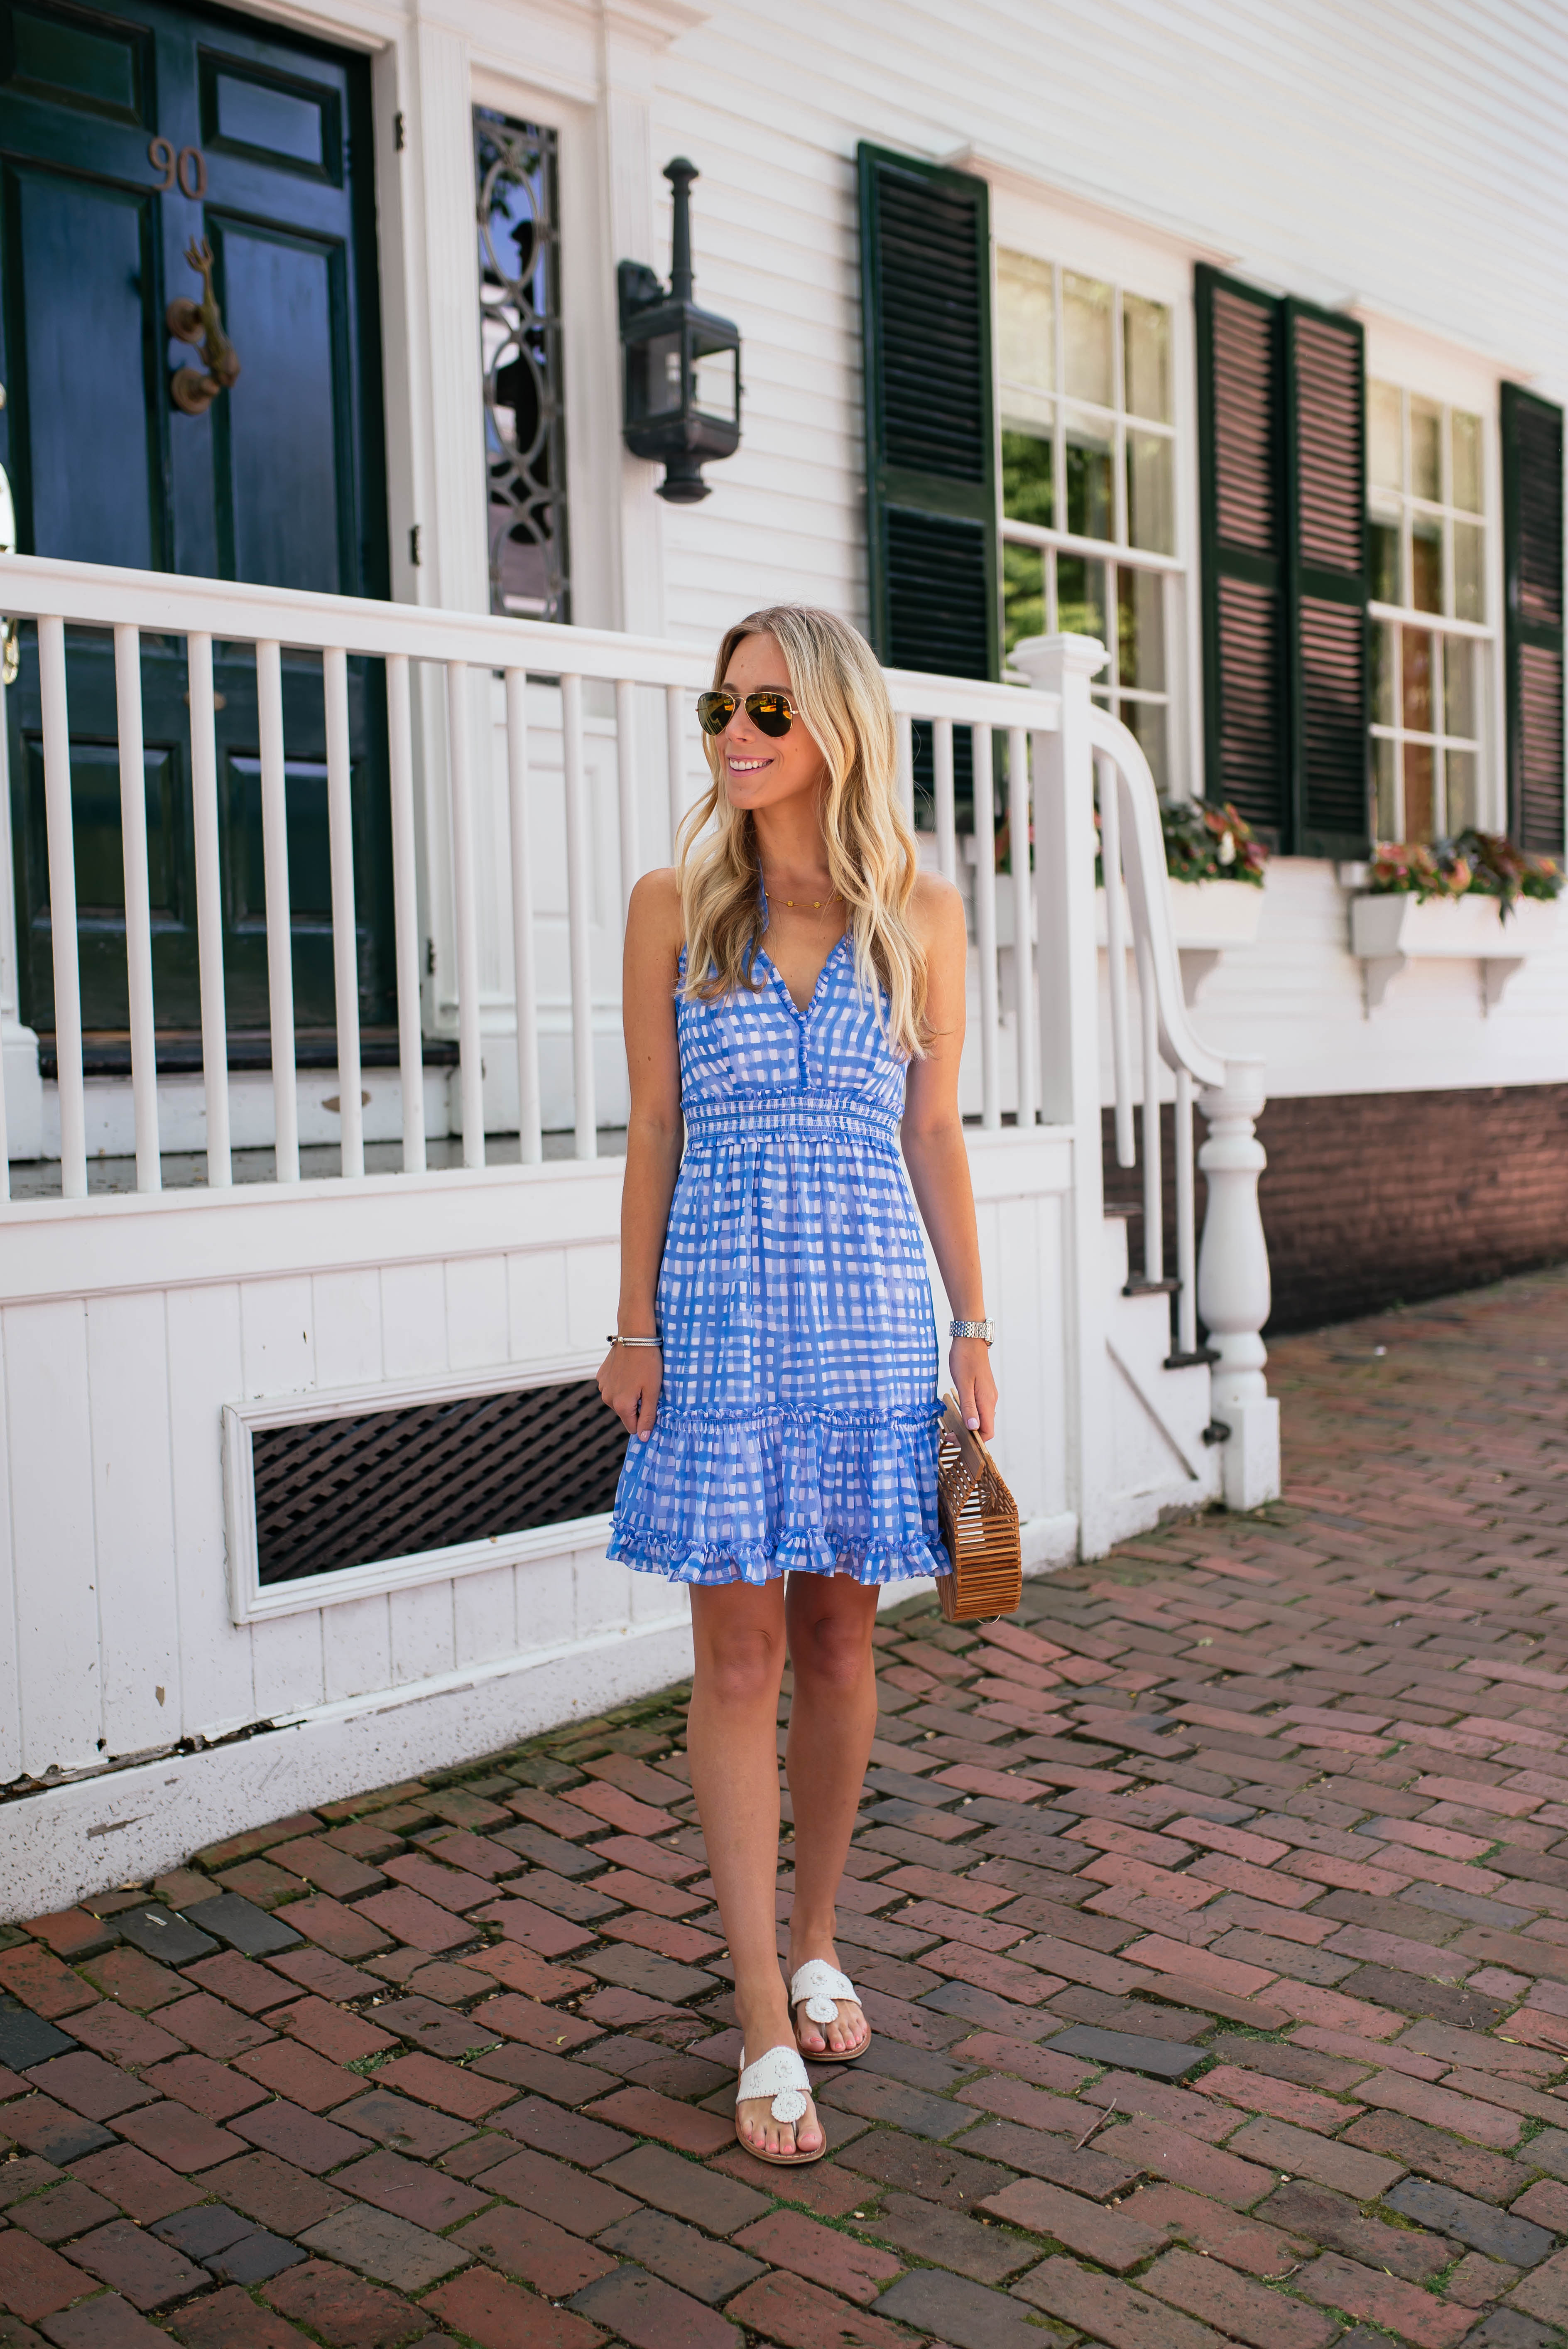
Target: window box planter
[(1210, 918), (1387, 931)]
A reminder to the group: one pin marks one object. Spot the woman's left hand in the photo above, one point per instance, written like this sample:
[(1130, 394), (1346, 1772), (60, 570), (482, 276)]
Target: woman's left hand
[(969, 1360)]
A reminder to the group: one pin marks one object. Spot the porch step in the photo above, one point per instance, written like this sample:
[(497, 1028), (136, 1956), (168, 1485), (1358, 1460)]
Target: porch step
[(1139, 1285)]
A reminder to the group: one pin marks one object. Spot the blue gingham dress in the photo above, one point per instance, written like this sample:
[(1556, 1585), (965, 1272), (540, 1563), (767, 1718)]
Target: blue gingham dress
[(797, 1425)]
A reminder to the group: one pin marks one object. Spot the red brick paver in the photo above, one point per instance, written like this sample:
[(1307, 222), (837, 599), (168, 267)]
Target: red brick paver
[(1212, 1918)]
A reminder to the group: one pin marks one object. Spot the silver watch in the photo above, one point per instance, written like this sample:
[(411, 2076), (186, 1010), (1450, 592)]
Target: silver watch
[(986, 1329)]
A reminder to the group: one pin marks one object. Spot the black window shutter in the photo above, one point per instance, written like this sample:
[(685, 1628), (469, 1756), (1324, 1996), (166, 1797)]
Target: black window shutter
[(1282, 463), (1242, 542), (1532, 563), (925, 284), (1326, 479)]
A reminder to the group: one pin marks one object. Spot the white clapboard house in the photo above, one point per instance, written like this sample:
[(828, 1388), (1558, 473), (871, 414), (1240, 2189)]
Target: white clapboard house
[(1171, 397)]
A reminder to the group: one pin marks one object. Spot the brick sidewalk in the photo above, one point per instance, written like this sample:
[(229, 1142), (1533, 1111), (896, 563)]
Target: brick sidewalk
[(1215, 1930)]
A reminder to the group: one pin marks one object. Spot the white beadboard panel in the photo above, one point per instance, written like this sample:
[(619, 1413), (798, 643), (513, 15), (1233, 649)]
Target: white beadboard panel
[(205, 1368), (356, 1647), (422, 1629), (347, 1318), (139, 1613), (546, 1603), (654, 1599), (602, 1599), (50, 1434), (286, 1661), (592, 1287), (412, 1319), (536, 1303), (279, 1348), (10, 1663), (484, 1614), (475, 1312)]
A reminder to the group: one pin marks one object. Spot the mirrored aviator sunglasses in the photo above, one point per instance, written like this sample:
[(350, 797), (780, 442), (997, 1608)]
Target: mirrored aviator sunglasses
[(771, 713)]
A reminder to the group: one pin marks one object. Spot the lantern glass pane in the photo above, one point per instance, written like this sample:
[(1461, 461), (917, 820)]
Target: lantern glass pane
[(715, 380)]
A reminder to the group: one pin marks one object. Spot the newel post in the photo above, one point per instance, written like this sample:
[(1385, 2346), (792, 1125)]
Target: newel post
[(1233, 1285)]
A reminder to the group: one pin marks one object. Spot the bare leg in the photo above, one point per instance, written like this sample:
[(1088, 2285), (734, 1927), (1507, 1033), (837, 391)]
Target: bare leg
[(833, 1720), (732, 1740)]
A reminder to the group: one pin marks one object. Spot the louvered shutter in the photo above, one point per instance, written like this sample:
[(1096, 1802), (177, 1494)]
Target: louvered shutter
[(1282, 450), (1324, 384), (1532, 560), (1242, 535), (925, 282)]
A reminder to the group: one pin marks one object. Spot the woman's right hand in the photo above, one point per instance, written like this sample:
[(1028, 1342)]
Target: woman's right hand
[(630, 1379)]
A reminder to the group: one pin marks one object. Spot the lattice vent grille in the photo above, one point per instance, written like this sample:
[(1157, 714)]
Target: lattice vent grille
[(337, 1493)]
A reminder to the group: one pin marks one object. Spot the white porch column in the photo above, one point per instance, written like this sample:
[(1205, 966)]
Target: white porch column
[(1067, 976), (1233, 1285)]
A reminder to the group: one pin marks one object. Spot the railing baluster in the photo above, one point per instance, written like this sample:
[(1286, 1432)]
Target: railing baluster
[(138, 904), (626, 784), (674, 757), (529, 1141), (1186, 1225), (578, 912), (406, 912), (280, 910), (1022, 921), (1153, 1177), (946, 823), (63, 908), (906, 725), (985, 927), (344, 918), (208, 910), (1116, 954), (470, 1071), (8, 992)]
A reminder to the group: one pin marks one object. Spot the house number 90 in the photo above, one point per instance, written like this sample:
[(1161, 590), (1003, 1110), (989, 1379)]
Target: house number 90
[(187, 170)]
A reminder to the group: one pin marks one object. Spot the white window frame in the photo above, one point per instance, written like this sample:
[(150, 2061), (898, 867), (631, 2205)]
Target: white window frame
[(1082, 240)]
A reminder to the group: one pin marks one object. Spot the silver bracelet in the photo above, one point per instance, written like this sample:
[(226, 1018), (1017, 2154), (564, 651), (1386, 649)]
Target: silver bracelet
[(615, 1339), (986, 1329)]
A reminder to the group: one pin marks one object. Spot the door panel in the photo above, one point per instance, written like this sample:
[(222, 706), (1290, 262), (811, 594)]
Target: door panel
[(127, 136)]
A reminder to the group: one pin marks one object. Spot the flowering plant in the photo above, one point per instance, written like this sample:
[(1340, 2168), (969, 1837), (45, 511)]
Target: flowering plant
[(1481, 864), (1414, 868), (1210, 843), (1499, 869)]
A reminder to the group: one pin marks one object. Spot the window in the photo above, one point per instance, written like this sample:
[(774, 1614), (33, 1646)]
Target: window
[(1426, 554), (519, 332), (1088, 486)]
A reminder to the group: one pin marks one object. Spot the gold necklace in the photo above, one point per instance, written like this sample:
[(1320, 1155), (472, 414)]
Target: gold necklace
[(817, 903)]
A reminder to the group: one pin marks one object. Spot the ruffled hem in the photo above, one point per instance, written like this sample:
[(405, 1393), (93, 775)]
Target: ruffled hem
[(719, 1496)]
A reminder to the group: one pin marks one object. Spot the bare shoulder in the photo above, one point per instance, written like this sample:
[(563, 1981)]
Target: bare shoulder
[(653, 909), (935, 911)]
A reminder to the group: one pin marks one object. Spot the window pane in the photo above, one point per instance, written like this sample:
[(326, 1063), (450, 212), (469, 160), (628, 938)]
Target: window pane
[(1028, 491), (1463, 808), (1459, 688), (1425, 448), (1426, 562), (1146, 354), (1080, 598), (1151, 493), (1416, 664), (1086, 313), (1383, 764), (1419, 799), (1026, 308), (1147, 721), (1383, 557), (1089, 513), (1385, 459), (1469, 583), (1384, 649), (1023, 593), (1465, 431), (1140, 630)]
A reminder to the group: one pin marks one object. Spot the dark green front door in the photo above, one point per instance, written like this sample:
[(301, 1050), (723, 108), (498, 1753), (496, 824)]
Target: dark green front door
[(127, 137)]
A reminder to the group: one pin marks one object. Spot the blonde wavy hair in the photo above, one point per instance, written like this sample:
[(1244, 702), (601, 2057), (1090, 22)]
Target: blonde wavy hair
[(842, 699)]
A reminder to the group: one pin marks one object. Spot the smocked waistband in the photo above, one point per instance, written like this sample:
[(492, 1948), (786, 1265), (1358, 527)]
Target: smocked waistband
[(780, 1113)]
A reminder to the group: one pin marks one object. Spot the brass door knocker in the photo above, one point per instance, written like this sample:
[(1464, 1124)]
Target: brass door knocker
[(194, 389)]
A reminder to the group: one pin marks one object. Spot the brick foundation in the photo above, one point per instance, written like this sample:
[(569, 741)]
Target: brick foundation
[(1374, 1199)]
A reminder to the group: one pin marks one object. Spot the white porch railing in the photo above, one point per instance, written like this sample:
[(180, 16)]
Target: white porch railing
[(1054, 739)]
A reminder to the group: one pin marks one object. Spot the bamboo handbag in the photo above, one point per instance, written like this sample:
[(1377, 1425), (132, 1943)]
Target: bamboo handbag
[(979, 1520)]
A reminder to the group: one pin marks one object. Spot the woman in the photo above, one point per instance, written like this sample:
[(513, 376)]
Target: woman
[(794, 1007)]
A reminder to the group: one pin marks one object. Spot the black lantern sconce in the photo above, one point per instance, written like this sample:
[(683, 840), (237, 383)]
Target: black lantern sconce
[(681, 365)]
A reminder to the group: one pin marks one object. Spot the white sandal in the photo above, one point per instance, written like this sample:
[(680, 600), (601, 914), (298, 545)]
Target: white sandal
[(782, 2075), (819, 1988)]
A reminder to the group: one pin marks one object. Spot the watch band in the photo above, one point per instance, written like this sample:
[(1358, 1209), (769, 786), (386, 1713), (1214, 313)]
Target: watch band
[(986, 1329), (615, 1340)]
